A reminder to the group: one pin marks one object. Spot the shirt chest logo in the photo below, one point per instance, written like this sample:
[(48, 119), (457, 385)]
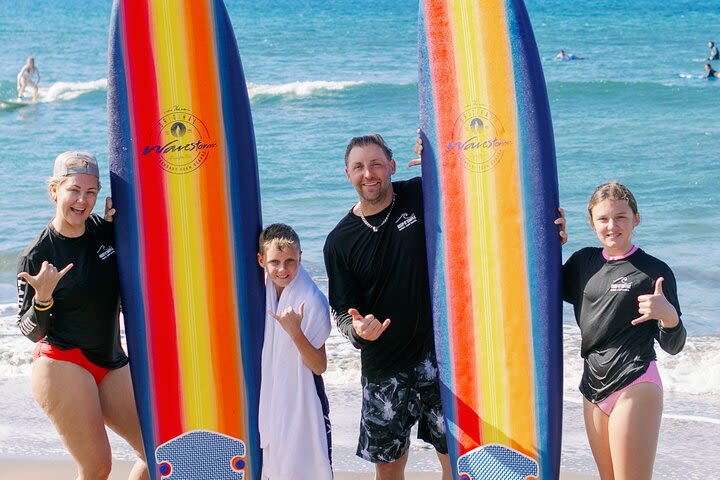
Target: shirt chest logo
[(105, 251), (621, 285), (405, 220)]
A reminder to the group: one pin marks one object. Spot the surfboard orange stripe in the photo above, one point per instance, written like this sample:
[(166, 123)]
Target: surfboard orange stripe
[(222, 309)]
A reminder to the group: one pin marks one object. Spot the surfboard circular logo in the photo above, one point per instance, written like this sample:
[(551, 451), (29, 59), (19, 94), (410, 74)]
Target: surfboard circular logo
[(180, 141), (478, 139)]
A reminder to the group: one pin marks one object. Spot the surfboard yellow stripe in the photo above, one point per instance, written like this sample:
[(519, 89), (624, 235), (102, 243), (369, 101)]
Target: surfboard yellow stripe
[(485, 86), (472, 88), (511, 306), (189, 282)]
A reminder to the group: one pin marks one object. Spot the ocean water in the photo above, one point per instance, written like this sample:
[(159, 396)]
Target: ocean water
[(320, 72)]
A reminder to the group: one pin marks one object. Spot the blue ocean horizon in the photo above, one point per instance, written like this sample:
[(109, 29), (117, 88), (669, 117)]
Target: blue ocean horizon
[(320, 72)]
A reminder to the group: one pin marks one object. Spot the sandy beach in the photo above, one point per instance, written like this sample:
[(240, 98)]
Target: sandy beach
[(63, 469)]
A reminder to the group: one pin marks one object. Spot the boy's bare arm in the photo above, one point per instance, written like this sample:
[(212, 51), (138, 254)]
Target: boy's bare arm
[(290, 320)]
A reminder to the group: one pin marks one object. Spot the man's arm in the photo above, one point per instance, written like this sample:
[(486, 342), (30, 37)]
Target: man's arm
[(342, 295)]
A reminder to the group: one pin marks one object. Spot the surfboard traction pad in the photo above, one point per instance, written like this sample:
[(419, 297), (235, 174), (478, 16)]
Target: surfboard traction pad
[(495, 462), (201, 455)]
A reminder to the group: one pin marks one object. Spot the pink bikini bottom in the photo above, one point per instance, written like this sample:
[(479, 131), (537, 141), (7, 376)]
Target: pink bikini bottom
[(651, 375)]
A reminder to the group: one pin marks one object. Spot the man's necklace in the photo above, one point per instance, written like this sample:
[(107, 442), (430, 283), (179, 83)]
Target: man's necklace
[(373, 227)]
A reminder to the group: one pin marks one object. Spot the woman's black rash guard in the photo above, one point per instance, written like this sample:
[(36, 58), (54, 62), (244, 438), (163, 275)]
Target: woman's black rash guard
[(86, 304)]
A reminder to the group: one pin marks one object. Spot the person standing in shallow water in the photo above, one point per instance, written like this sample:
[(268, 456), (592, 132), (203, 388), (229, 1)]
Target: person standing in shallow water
[(379, 295), (624, 300), (69, 303)]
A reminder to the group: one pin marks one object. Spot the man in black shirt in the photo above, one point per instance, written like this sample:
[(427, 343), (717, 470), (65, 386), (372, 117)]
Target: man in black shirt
[(379, 293)]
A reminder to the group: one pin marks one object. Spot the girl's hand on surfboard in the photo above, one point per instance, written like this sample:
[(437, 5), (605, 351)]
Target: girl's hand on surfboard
[(45, 281), (418, 148), (290, 320), (655, 306), (561, 221), (109, 210), (367, 327)]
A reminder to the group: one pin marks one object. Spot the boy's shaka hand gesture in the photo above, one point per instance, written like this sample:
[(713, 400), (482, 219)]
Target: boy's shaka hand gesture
[(290, 320)]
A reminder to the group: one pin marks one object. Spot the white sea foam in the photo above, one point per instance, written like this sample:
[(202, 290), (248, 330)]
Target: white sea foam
[(298, 89), (68, 90), (694, 371), (71, 90)]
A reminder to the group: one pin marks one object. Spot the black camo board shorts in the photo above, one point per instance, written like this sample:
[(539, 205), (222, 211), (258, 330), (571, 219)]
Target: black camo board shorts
[(390, 408)]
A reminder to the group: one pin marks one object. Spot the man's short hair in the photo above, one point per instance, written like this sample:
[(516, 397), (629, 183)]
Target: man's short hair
[(364, 141)]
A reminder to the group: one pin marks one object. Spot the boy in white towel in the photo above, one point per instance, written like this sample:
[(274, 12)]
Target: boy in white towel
[(293, 419)]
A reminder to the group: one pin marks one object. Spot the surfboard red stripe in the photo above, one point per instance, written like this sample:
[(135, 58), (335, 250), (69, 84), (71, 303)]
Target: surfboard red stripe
[(160, 315)]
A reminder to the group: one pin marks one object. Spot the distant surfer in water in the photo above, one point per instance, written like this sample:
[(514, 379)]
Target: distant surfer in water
[(25, 79), (710, 73), (294, 434), (714, 54), (69, 304), (380, 298), (562, 55), (624, 301)]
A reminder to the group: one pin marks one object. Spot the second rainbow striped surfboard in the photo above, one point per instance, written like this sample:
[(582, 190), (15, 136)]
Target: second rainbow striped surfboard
[(491, 196)]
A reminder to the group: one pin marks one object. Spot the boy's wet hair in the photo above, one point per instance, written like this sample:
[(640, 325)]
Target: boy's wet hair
[(364, 141), (612, 190), (280, 235)]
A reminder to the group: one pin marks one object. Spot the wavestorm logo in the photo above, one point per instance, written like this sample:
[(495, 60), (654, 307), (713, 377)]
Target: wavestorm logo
[(180, 141), (478, 139)]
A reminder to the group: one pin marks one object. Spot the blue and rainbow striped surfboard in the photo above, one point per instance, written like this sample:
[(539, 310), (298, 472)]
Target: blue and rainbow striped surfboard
[(491, 196), (185, 184)]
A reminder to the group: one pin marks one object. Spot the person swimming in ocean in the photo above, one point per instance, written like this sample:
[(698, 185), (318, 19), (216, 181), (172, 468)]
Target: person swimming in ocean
[(562, 55), (710, 73)]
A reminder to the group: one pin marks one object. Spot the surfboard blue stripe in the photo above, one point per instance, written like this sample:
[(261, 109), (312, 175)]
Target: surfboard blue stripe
[(127, 221)]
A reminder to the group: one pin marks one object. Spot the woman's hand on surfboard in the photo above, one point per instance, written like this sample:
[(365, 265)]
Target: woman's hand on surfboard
[(367, 327), (561, 221), (418, 148), (655, 306), (45, 281), (109, 210), (290, 320)]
